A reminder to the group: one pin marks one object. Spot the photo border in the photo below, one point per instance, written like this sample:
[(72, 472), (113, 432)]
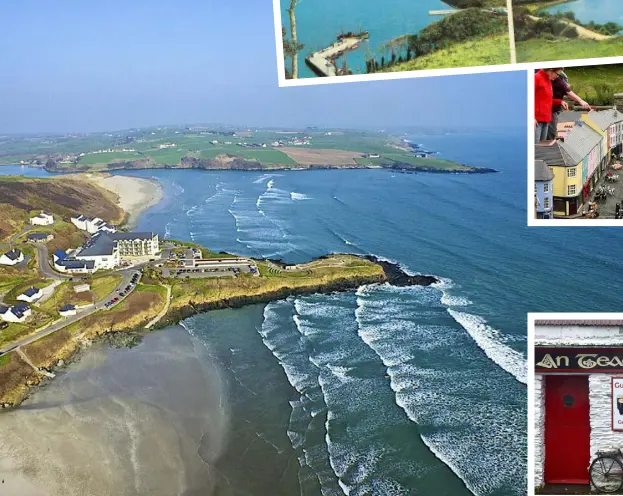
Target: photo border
[(532, 221), (357, 78), (532, 317)]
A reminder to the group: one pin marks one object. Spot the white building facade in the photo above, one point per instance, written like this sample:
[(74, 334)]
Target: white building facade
[(577, 383), (43, 219), (12, 257)]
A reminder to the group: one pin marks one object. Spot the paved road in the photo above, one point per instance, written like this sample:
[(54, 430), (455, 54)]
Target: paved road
[(60, 324), (12, 239), (44, 264)]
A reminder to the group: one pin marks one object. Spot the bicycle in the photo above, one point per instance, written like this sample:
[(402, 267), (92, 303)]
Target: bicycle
[(606, 471)]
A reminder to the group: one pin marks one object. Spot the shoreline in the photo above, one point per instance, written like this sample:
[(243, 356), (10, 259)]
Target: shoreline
[(465, 169), (128, 334), (135, 195)]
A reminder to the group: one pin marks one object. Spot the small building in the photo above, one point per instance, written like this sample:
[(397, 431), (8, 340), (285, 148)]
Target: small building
[(59, 255), (16, 314), (68, 311), (12, 257), (30, 295), (578, 396), (73, 266), (39, 237), (43, 219), (543, 190)]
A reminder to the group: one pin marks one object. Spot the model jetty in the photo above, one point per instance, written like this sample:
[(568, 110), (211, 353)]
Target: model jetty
[(324, 62)]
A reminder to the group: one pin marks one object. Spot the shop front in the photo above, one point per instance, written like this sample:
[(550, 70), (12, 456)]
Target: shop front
[(578, 397)]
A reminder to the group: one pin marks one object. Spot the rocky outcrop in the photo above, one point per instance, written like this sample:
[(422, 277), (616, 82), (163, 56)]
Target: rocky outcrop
[(398, 277), (419, 168)]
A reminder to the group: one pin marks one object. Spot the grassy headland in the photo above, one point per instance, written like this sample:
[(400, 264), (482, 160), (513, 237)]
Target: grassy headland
[(189, 296), (211, 149)]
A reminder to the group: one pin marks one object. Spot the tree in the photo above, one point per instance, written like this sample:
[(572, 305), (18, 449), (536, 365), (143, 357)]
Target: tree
[(292, 47)]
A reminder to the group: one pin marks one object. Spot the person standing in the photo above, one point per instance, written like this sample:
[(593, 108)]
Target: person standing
[(544, 101), (562, 89)]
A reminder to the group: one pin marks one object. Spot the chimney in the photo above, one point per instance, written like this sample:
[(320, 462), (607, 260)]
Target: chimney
[(618, 101)]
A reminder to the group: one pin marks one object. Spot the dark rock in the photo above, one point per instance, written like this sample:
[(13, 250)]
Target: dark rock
[(398, 277)]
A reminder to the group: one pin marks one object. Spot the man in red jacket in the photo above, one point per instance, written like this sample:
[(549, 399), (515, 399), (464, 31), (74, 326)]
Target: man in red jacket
[(544, 101)]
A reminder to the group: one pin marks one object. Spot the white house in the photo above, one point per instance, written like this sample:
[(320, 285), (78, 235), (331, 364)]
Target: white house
[(94, 225), (12, 257), (68, 311), (80, 221), (30, 295), (43, 219), (17, 314)]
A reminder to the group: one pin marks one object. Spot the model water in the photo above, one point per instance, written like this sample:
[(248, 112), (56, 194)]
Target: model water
[(599, 11), (319, 22), (376, 391)]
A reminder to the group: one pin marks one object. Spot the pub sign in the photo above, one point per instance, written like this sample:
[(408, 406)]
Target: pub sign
[(617, 403), (587, 360)]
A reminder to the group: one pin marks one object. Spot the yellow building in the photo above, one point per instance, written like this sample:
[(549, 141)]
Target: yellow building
[(576, 163)]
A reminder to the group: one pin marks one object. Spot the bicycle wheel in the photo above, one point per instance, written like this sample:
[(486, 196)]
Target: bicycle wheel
[(606, 473)]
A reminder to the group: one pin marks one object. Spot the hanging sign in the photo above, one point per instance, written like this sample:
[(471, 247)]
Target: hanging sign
[(587, 360), (617, 403)]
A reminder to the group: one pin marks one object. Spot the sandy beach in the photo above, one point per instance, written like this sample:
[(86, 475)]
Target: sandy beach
[(149, 420), (135, 194)]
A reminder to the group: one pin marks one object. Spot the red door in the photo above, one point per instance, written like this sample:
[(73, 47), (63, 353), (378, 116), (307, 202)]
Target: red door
[(567, 429)]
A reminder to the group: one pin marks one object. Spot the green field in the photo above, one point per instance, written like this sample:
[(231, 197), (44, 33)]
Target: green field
[(167, 156), (536, 50), (492, 50), (107, 158), (587, 81), (200, 146)]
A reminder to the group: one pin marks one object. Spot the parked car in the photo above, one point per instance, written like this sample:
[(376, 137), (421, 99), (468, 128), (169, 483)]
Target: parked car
[(4, 325)]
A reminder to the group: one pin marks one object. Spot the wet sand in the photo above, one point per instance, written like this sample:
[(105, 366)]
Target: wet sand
[(148, 420), (135, 194)]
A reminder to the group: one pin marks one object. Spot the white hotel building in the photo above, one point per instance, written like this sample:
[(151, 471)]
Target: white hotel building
[(107, 250)]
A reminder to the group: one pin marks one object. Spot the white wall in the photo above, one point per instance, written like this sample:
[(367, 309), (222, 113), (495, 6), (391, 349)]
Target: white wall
[(539, 429), (578, 336)]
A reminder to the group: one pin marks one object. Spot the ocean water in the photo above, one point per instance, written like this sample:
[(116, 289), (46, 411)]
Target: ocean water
[(599, 11), (385, 390), (319, 22)]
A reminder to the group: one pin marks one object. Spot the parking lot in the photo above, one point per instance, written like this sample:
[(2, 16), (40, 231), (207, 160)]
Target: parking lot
[(122, 291)]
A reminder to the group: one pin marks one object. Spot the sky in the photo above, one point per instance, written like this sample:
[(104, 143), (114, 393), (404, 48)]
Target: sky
[(86, 66)]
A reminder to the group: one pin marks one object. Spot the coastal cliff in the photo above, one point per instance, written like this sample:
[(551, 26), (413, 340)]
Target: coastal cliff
[(124, 327)]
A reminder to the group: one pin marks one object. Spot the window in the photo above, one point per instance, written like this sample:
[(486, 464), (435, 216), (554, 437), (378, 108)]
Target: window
[(571, 190), (546, 203), (571, 172), (546, 187)]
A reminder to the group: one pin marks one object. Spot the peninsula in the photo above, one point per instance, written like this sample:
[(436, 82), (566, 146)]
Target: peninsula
[(56, 298), (216, 148)]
